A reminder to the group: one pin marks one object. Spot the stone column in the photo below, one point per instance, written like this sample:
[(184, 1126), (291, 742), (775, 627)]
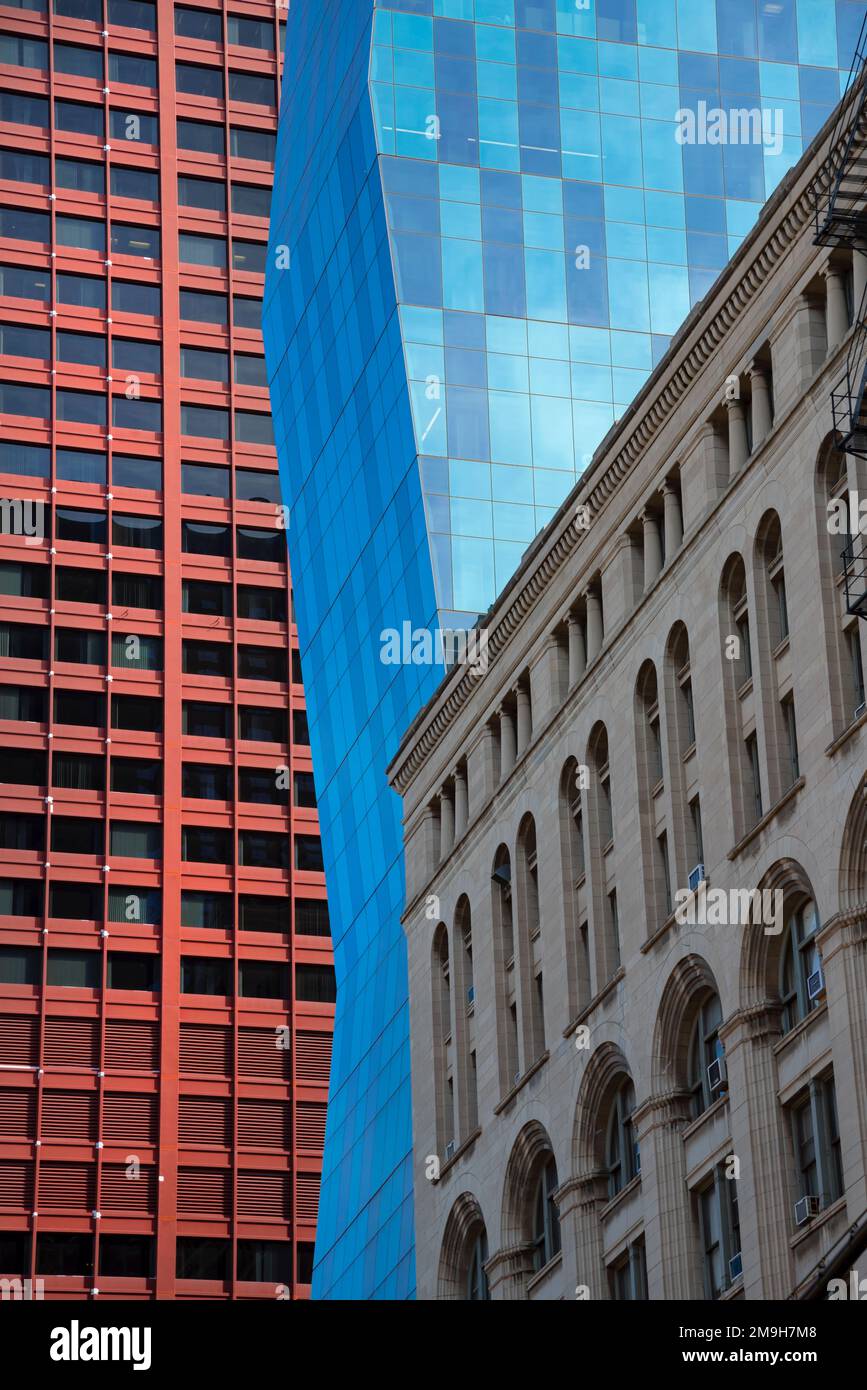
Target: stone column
[(843, 944), (652, 548), (739, 449), (673, 519), (447, 823), (461, 802), (836, 313), (509, 1272), (762, 415), (580, 1200), (759, 1143), (525, 723), (507, 742), (594, 625), (577, 649), (671, 1246)]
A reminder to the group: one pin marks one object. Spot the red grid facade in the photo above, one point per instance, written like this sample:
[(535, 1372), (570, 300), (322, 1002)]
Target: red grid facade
[(166, 982)]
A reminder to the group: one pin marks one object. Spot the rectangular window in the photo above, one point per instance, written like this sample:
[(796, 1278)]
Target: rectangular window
[(23, 581), (140, 184), (82, 708), (197, 306), (60, 1254), (249, 256), (794, 767), (21, 897), (20, 52), (251, 33), (23, 704), (262, 664), (82, 291), (201, 720), (20, 108), (249, 87), (264, 786), (204, 364), (262, 605), (205, 422), (266, 546), (210, 911), (137, 591), (195, 81), (81, 772), (80, 465), (130, 840), (130, 652), (697, 835), (308, 853), (207, 782), (199, 1258), (247, 313), (134, 355), (140, 532), (31, 401), (126, 1257), (82, 233), (24, 767), (134, 127), (259, 913), (79, 647), (205, 844), (80, 408), (311, 917), (137, 712), (127, 970), (265, 1261), (853, 639), (79, 119), (755, 775), (259, 979), (130, 298), (78, 62), (205, 25), (82, 176), (203, 538), (19, 832), (133, 14), (315, 984), (304, 789), (206, 599), (202, 976), (19, 167), (300, 732), (204, 137), (23, 641), (137, 776), (76, 902), (22, 225), (85, 349), (23, 282), (143, 242), (259, 850), (262, 725), (76, 835), (209, 194), (136, 414), (132, 71), (74, 969), (251, 200)]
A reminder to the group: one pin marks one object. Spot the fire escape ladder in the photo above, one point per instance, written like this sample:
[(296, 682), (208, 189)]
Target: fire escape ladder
[(841, 189)]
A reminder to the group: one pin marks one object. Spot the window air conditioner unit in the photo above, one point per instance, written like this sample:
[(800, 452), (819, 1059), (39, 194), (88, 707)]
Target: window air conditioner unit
[(450, 1150), (816, 984), (735, 1267), (716, 1074), (471, 994), (806, 1209), (696, 878)]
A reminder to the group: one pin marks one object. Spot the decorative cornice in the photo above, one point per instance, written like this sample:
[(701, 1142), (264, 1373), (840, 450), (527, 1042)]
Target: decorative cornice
[(634, 434)]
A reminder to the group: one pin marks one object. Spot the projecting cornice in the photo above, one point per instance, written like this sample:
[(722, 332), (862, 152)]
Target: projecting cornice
[(768, 243)]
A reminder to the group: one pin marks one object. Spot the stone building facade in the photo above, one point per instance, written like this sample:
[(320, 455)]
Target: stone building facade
[(633, 1077)]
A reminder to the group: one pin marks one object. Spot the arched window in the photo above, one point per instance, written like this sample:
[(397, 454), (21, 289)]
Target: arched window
[(575, 886), (621, 1150), (651, 780), (465, 1040), (546, 1218), (776, 684), (741, 730), (601, 830), (771, 554), (506, 979), (442, 1040), (706, 1057), (802, 985), (530, 945), (477, 1290)]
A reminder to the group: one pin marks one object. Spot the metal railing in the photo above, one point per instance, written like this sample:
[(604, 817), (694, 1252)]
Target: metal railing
[(842, 186), (855, 576)]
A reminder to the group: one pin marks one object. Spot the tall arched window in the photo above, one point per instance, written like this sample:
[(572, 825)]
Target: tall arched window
[(530, 943), (688, 846), (506, 975), (442, 1040), (465, 1020), (741, 731), (845, 645), (575, 887), (464, 1254), (546, 1218), (706, 1057), (623, 1159), (477, 1279), (651, 803), (802, 984), (773, 630), (601, 829)]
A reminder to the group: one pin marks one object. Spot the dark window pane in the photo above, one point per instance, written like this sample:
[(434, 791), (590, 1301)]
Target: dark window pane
[(203, 538), (251, 200), (315, 984), (207, 599), (21, 225), (205, 844), (81, 465), (202, 976), (262, 664), (24, 460), (261, 850), (258, 913), (137, 776), (136, 590), (31, 401), (80, 647), (76, 835), (202, 1259), (209, 194), (21, 897), (23, 581), (262, 605), (79, 119), (80, 586), (206, 782), (23, 767), (206, 25), (82, 233), (249, 256), (202, 136), (250, 371), (262, 785), (203, 480), (247, 313), (131, 70), (201, 720), (259, 979), (21, 52), (81, 175), (252, 144), (133, 14), (212, 911), (304, 789), (78, 62), (135, 241), (308, 853), (20, 167), (262, 725), (200, 307), (252, 427), (205, 422), (75, 902), (58, 1254), (136, 415), (144, 532), (195, 81), (311, 917), (81, 408), (83, 772), (136, 127), (23, 282), (130, 298), (265, 1261), (204, 364), (129, 971), (253, 544), (133, 355), (130, 840), (126, 1257), (253, 89), (20, 832), (300, 731), (74, 969), (88, 528), (251, 33), (23, 109), (85, 349), (136, 712), (131, 652), (134, 183), (134, 905), (84, 291), (23, 641), (23, 704)]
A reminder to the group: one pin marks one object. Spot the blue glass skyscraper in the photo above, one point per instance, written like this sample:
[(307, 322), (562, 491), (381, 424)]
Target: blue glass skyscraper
[(489, 218)]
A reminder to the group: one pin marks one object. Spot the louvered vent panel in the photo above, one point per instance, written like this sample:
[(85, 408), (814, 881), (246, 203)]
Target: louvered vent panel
[(307, 1196), (70, 1186), (310, 1127), (129, 1119), (313, 1057), (18, 1114), (203, 1192), (263, 1125), (206, 1050), (131, 1046), (71, 1042), (259, 1055), (69, 1115), (202, 1120), (265, 1195), (19, 1041), (16, 1186), (120, 1193)]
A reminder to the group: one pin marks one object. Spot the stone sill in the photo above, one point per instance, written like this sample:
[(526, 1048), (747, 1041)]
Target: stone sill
[(826, 1215), (625, 1192), (542, 1274), (847, 733), (459, 1153), (800, 1028), (612, 984), (766, 819), (521, 1083)]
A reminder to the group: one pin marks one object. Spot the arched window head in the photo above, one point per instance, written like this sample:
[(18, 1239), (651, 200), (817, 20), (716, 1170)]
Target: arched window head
[(735, 583), (802, 984), (477, 1290), (771, 555), (707, 1077), (678, 648), (546, 1218), (622, 1156)]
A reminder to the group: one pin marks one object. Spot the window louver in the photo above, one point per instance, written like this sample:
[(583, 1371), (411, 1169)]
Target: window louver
[(129, 1119), (131, 1046), (71, 1042), (259, 1055), (19, 1040), (263, 1125), (204, 1191), (69, 1115), (267, 1196), (310, 1127), (120, 1193), (313, 1057), (203, 1121), (206, 1051), (67, 1187), (18, 1113), (307, 1196), (16, 1186)]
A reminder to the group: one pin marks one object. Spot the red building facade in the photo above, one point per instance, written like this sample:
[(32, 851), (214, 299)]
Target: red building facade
[(166, 982)]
